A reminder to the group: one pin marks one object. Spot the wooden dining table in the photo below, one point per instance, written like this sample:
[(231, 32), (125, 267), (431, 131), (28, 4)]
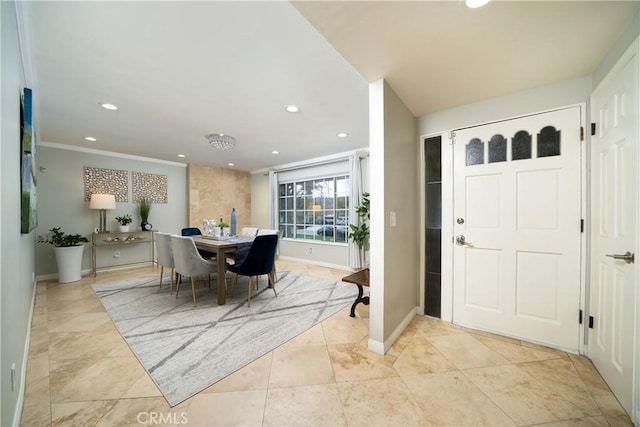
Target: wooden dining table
[(222, 247)]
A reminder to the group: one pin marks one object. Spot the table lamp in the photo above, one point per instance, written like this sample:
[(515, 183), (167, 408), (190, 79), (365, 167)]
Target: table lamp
[(103, 202)]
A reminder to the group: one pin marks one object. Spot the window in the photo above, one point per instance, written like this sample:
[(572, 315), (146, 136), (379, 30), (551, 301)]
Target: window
[(315, 209)]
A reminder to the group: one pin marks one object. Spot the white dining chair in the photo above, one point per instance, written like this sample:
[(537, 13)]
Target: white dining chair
[(165, 255), (189, 263), (249, 232)]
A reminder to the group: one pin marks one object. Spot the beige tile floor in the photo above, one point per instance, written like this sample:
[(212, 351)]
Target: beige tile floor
[(80, 372)]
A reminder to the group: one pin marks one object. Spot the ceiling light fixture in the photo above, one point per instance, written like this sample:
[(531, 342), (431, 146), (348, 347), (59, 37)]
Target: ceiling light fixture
[(108, 106), (474, 4), (182, 156), (221, 141), (342, 134), (292, 108), (90, 138), (231, 164), (275, 152)]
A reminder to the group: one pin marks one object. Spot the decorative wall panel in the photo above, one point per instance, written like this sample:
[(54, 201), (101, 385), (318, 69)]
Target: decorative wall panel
[(106, 181), (149, 186)]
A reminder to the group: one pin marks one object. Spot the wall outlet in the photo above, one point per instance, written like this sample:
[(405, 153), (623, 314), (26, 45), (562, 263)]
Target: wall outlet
[(116, 254)]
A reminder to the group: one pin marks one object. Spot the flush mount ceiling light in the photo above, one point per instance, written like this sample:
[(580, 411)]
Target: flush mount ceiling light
[(292, 108), (221, 141), (275, 152), (474, 4), (231, 164), (182, 156), (90, 138), (342, 134), (108, 106)]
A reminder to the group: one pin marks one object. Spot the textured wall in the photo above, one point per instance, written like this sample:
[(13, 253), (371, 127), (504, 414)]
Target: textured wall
[(214, 191)]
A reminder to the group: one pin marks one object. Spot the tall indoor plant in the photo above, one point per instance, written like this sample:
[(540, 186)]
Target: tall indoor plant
[(68, 250), (360, 232), (145, 207)]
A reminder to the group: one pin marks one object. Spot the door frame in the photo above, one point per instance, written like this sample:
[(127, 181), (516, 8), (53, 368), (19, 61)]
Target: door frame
[(448, 215)]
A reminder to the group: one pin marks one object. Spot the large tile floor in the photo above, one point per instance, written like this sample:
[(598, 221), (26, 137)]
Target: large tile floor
[(81, 373)]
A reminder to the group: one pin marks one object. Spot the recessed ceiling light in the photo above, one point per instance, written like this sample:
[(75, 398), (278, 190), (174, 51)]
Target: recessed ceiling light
[(342, 134), (90, 138), (231, 164), (275, 152), (292, 108), (473, 4), (108, 106), (182, 156)]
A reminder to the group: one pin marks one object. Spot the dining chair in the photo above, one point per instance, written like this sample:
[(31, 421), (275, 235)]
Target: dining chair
[(195, 231), (268, 231), (189, 263), (165, 255), (260, 260), (249, 232)]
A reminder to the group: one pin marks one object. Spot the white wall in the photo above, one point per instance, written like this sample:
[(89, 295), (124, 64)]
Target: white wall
[(61, 202), (16, 250), (394, 192)]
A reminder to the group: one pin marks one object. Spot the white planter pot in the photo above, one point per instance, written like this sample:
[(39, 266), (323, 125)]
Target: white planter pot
[(226, 231), (124, 228), (69, 260)]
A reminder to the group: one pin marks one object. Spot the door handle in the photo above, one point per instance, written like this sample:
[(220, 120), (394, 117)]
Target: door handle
[(461, 241), (628, 257)]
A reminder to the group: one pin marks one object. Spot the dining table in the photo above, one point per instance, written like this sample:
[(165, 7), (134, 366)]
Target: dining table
[(223, 247)]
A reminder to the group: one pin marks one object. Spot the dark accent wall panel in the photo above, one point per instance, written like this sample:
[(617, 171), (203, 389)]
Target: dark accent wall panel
[(433, 224)]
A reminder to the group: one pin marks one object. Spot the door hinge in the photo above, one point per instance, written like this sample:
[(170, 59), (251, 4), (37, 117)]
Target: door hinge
[(582, 225), (590, 322), (452, 136), (593, 129), (581, 133), (580, 317)]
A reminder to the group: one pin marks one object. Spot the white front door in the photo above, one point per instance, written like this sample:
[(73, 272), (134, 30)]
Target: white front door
[(517, 206), (614, 227)]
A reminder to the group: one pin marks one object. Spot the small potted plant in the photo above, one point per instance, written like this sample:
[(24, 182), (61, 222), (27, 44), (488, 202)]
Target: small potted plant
[(124, 221), (68, 250)]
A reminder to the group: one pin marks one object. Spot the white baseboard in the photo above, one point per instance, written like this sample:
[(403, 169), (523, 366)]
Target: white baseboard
[(382, 348), (17, 415), (318, 263)]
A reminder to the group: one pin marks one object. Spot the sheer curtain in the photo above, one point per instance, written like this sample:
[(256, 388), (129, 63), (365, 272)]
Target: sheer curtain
[(355, 170), (273, 200)]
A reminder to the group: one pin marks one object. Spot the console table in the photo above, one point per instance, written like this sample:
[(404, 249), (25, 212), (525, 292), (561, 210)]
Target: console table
[(360, 278), (115, 239)]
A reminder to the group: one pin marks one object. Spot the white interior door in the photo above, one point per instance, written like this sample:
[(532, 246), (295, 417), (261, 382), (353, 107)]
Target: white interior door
[(614, 107), (517, 203)]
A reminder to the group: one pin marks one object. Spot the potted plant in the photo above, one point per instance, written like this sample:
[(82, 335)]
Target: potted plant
[(124, 221), (145, 207), (68, 250), (360, 232)]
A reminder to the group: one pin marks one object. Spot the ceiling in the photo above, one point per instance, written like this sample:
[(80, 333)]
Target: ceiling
[(181, 70)]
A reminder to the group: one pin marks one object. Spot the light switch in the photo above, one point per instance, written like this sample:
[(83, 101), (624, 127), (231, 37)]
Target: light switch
[(392, 219)]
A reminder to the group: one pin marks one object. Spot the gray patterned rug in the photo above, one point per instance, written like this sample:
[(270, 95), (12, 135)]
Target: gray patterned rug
[(185, 349)]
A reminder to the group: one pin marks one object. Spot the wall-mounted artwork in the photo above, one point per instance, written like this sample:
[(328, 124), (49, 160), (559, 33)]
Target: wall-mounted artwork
[(149, 186), (28, 178), (106, 181)]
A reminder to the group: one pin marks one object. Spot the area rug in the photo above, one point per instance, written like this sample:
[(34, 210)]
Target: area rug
[(187, 348)]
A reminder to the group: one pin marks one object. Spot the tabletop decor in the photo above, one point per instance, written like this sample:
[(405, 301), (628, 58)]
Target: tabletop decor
[(187, 348), (68, 250), (124, 221), (145, 208)]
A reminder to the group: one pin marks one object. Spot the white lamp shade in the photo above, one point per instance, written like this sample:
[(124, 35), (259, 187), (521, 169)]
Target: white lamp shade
[(102, 201)]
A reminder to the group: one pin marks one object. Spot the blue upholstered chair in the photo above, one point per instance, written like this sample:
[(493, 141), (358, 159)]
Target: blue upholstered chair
[(260, 260), (189, 263)]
